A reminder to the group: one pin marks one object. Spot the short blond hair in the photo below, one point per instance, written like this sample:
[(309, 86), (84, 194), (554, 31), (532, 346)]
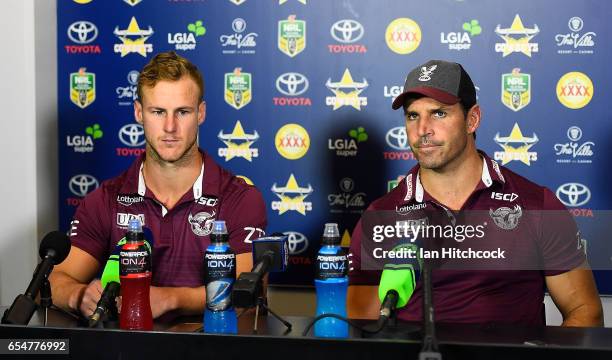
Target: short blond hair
[(168, 66)]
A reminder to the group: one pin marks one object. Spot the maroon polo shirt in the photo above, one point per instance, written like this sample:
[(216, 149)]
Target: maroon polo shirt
[(527, 221), (181, 234)]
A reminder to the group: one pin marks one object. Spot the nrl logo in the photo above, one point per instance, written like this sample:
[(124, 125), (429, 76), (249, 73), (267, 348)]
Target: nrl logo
[(291, 36), (238, 87), (82, 88), (426, 72), (516, 90), (201, 223), (505, 217)]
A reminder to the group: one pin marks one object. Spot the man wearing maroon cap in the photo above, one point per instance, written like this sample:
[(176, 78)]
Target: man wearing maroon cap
[(175, 189), (455, 178)]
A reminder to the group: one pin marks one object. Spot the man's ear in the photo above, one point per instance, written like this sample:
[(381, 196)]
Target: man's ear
[(138, 111), (473, 119), (201, 112)]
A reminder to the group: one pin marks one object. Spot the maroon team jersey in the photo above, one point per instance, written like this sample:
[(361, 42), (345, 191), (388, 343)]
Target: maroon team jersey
[(526, 221), (179, 235)]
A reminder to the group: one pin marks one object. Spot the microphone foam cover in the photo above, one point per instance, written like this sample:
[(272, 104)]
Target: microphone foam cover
[(400, 278), (56, 241), (111, 271), (278, 245)]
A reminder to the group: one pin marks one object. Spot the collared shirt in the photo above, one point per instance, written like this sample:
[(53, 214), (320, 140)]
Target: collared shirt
[(537, 234), (179, 235)]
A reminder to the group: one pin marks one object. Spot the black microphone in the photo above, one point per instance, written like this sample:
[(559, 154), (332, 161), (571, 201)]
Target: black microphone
[(270, 254), (54, 248), (111, 284)]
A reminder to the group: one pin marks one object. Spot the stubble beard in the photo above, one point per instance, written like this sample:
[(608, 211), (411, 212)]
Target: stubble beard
[(183, 159), (441, 161)]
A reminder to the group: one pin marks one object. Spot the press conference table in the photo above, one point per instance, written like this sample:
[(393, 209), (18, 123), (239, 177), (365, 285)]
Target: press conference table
[(177, 339)]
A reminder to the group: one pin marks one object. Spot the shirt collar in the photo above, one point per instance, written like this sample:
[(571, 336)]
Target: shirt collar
[(135, 173), (197, 185), (491, 173)]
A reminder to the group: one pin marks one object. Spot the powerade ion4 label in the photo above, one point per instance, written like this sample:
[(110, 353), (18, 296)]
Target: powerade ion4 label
[(220, 272), (134, 260), (332, 266)]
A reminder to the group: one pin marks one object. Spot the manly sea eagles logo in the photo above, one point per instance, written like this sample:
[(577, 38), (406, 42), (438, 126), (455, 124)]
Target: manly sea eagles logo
[(201, 223), (505, 217), (426, 72)]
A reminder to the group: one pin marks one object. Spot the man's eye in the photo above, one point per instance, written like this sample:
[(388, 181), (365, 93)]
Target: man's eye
[(439, 113), (183, 112), (412, 117), (158, 112)]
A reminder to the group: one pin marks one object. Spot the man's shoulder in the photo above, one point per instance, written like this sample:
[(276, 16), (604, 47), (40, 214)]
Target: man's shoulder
[(226, 184), (396, 196), (531, 193), (108, 189)]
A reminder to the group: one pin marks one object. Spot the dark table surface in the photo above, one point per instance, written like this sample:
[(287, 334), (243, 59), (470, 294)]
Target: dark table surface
[(179, 337)]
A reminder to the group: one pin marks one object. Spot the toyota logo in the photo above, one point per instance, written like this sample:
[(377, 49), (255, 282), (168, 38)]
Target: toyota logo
[(298, 243), (573, 194), (132, 135), (292, 84), (82, 32), (346, 31), (82, 184), (397, 138)]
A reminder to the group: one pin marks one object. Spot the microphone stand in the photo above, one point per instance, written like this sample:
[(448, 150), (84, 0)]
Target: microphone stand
[(45, 299), (430, 344), (262, 302)]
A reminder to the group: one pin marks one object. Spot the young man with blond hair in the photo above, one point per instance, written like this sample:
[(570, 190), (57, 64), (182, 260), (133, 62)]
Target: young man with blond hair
[(177, 189)]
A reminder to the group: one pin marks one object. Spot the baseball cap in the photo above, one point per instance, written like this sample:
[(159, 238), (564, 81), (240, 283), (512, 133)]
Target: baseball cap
[(446, 82)]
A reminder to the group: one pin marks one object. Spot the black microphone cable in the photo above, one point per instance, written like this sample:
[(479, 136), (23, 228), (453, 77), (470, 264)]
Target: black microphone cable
[(380, 325)]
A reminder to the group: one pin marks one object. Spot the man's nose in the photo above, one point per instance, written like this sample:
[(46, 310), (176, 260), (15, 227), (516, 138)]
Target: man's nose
[(170, 123), (424, 126)]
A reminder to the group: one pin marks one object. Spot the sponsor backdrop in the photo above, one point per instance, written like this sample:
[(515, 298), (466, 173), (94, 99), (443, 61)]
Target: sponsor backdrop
[(299, 97)]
